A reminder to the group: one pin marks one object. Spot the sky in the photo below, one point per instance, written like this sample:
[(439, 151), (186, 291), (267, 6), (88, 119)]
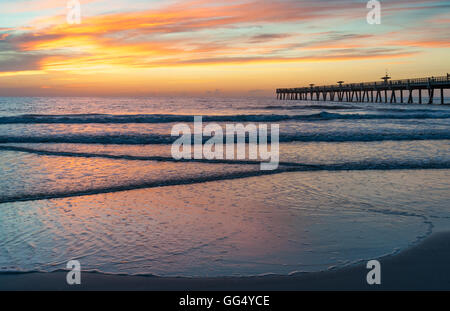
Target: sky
[(220, 48)]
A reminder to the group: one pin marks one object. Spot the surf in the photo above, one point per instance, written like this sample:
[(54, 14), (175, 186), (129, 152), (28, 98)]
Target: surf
[(175, 118)]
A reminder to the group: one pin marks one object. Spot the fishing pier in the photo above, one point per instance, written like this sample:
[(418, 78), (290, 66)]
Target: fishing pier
[(387, 91)]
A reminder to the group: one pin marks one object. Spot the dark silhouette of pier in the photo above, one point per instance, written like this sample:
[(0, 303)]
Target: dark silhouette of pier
[(372, 92)]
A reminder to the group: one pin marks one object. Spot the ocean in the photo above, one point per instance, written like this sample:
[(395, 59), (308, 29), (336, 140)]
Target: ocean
[(93, 179)]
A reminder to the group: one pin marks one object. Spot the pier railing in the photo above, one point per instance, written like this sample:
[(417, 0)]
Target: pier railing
[(364, 91)]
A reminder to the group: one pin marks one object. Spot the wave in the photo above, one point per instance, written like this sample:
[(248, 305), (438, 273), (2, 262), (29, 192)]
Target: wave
[(307, 107), (168, 118), (391, 164), (343, 107), (129, 157), (135, 186), (156, 139), (219, 176), (406, 110)]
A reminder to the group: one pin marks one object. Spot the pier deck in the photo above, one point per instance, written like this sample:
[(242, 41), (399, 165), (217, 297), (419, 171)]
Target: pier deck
[(375, 92)]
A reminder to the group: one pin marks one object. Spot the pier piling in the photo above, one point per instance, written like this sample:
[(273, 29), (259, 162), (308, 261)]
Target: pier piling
[(370, 91)]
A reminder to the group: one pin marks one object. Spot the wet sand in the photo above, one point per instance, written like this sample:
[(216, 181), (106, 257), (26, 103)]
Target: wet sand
[(425, 266)]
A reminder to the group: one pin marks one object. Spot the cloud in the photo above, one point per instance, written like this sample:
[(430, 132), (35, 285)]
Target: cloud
[(26, 6), (200, 32), (265, 37), (19, 62)]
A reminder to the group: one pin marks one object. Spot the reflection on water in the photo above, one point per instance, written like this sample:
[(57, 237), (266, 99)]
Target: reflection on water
[(40, 176), (274, 224), (297, 221)]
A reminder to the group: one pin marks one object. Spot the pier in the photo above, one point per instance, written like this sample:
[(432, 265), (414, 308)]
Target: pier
[(387, 91)]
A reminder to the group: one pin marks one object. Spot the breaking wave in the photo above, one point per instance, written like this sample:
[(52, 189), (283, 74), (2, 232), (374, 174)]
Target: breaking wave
[(155, 139), (284, 168), (169, 118)]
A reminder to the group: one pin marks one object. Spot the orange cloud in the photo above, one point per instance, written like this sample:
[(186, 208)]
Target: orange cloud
[(201, 33), (421, 43)]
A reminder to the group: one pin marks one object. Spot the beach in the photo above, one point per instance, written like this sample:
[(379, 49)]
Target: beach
[(94, 180), (224, 145), (421, 267)]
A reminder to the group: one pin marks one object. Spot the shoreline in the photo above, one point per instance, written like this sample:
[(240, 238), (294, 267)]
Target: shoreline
[(423, 266)]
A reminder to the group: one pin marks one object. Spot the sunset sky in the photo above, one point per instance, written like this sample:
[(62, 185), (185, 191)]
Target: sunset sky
[(198, 47)]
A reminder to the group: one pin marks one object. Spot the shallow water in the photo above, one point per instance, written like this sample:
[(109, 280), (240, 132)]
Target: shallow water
[(93, 179)]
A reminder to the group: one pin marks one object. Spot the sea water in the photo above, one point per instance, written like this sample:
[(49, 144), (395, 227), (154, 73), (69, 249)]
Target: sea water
[(93, 179)]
